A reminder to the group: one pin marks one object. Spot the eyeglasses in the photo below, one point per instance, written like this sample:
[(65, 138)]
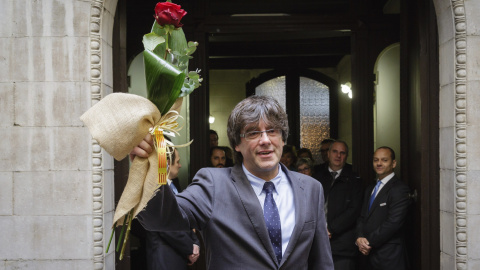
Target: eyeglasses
[(253, 135), (306, 169)]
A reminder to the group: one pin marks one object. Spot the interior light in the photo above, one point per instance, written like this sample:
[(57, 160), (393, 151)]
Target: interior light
[(211, 119), (347, 89)]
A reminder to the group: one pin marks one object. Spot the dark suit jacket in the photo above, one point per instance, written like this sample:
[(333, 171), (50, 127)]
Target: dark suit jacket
[(221, 203), (169, 250), (344, 204), (382, 226)]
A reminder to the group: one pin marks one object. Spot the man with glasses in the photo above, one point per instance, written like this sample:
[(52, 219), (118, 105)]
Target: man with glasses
[(343, 202), (257, 214)]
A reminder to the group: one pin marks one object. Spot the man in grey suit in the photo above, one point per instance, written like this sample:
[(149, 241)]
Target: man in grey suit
[(257, 214)]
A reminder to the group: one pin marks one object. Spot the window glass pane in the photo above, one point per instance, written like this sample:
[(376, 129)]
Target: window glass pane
[(314, 115), (274, 88)]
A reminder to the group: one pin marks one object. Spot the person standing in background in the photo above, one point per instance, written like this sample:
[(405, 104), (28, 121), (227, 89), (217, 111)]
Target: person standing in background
[(171, 250), (213, 138), (343, 202), (218, 158), (380, 228)]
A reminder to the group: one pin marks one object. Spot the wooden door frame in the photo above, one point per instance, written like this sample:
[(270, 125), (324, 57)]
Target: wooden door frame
[(422, 172)]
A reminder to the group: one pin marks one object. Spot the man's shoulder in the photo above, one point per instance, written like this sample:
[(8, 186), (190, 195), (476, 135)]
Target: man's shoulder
[(214, 173), (308, 180), (347, 170), (398, 184)]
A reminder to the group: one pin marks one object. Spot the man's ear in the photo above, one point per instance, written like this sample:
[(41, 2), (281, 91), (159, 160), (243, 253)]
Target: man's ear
[(394, 164)]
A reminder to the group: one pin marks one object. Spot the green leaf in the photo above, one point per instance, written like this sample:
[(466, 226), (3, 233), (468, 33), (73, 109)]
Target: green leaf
[(192, 47), (164, 81), (152, 40), (176, 42)]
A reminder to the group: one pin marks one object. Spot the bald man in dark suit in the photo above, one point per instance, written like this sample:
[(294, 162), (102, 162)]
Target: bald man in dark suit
[(380, 228)]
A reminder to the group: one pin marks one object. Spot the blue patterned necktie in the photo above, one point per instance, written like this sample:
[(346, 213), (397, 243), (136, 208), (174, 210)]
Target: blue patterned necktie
[(372, 197), (272, 220), (173, 188)]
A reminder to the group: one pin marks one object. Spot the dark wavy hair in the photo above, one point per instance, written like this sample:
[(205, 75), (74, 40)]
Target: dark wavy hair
[(250, 111)]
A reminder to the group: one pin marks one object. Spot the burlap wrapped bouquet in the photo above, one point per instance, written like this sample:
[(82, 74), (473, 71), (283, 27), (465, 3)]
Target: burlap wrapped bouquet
[(120, 121)]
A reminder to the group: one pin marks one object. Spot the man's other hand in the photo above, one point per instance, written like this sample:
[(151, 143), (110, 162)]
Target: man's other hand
[(194, 256)]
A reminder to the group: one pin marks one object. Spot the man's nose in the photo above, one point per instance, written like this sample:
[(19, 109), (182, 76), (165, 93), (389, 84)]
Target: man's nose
[(264, 137)]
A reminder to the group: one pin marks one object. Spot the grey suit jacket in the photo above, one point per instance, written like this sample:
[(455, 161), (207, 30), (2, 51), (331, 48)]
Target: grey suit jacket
[(221, 204)]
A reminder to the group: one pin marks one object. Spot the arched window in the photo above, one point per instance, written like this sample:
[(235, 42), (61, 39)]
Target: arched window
[(310, 100)]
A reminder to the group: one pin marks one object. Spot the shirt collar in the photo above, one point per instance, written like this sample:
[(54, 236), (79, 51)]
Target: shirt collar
[(387, 178), (338, 172), (257, 183)]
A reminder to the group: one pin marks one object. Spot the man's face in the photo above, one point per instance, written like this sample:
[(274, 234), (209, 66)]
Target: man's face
[(213, 140), (175, 166), (337, 156), (324, 151), (383, 163), (218, 158), (262, 155)]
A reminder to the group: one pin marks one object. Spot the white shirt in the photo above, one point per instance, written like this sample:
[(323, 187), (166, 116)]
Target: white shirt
[(283, 197), (384, 182), (338, 172)]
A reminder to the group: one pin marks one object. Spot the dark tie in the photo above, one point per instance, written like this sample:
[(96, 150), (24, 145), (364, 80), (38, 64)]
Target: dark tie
[(372, 198), (173, 188), (334, 174), (272, 220)]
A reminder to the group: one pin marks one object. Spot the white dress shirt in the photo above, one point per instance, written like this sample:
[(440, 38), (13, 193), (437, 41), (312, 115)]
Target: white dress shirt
[(384, 182), (284, 199)]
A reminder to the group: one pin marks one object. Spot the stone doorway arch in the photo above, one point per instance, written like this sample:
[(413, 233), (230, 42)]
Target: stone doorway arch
[(458, 169), (101, 84), (457, 79)]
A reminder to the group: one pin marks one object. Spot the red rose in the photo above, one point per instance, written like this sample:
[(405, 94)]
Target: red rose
[(169, 13)]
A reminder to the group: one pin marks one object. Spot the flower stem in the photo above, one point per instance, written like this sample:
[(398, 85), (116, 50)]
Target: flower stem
[(166, 45), (121, 233), (130, 218), (111, 236)]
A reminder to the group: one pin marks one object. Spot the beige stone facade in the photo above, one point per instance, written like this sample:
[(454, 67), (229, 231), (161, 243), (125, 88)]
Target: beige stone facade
[(56, 184)]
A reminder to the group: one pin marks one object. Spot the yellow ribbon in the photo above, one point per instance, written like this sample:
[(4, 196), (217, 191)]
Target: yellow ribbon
[(168, 122)]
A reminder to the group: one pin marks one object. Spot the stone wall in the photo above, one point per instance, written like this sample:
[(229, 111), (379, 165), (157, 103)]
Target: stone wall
[(458, 27), (52, 200)]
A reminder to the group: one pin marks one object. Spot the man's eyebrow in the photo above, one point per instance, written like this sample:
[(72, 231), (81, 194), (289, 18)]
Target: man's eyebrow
[(249, 128)]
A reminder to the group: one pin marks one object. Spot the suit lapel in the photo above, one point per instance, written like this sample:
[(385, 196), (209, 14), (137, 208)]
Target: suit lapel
[(252, 207), (382, 194), (298, 187)]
